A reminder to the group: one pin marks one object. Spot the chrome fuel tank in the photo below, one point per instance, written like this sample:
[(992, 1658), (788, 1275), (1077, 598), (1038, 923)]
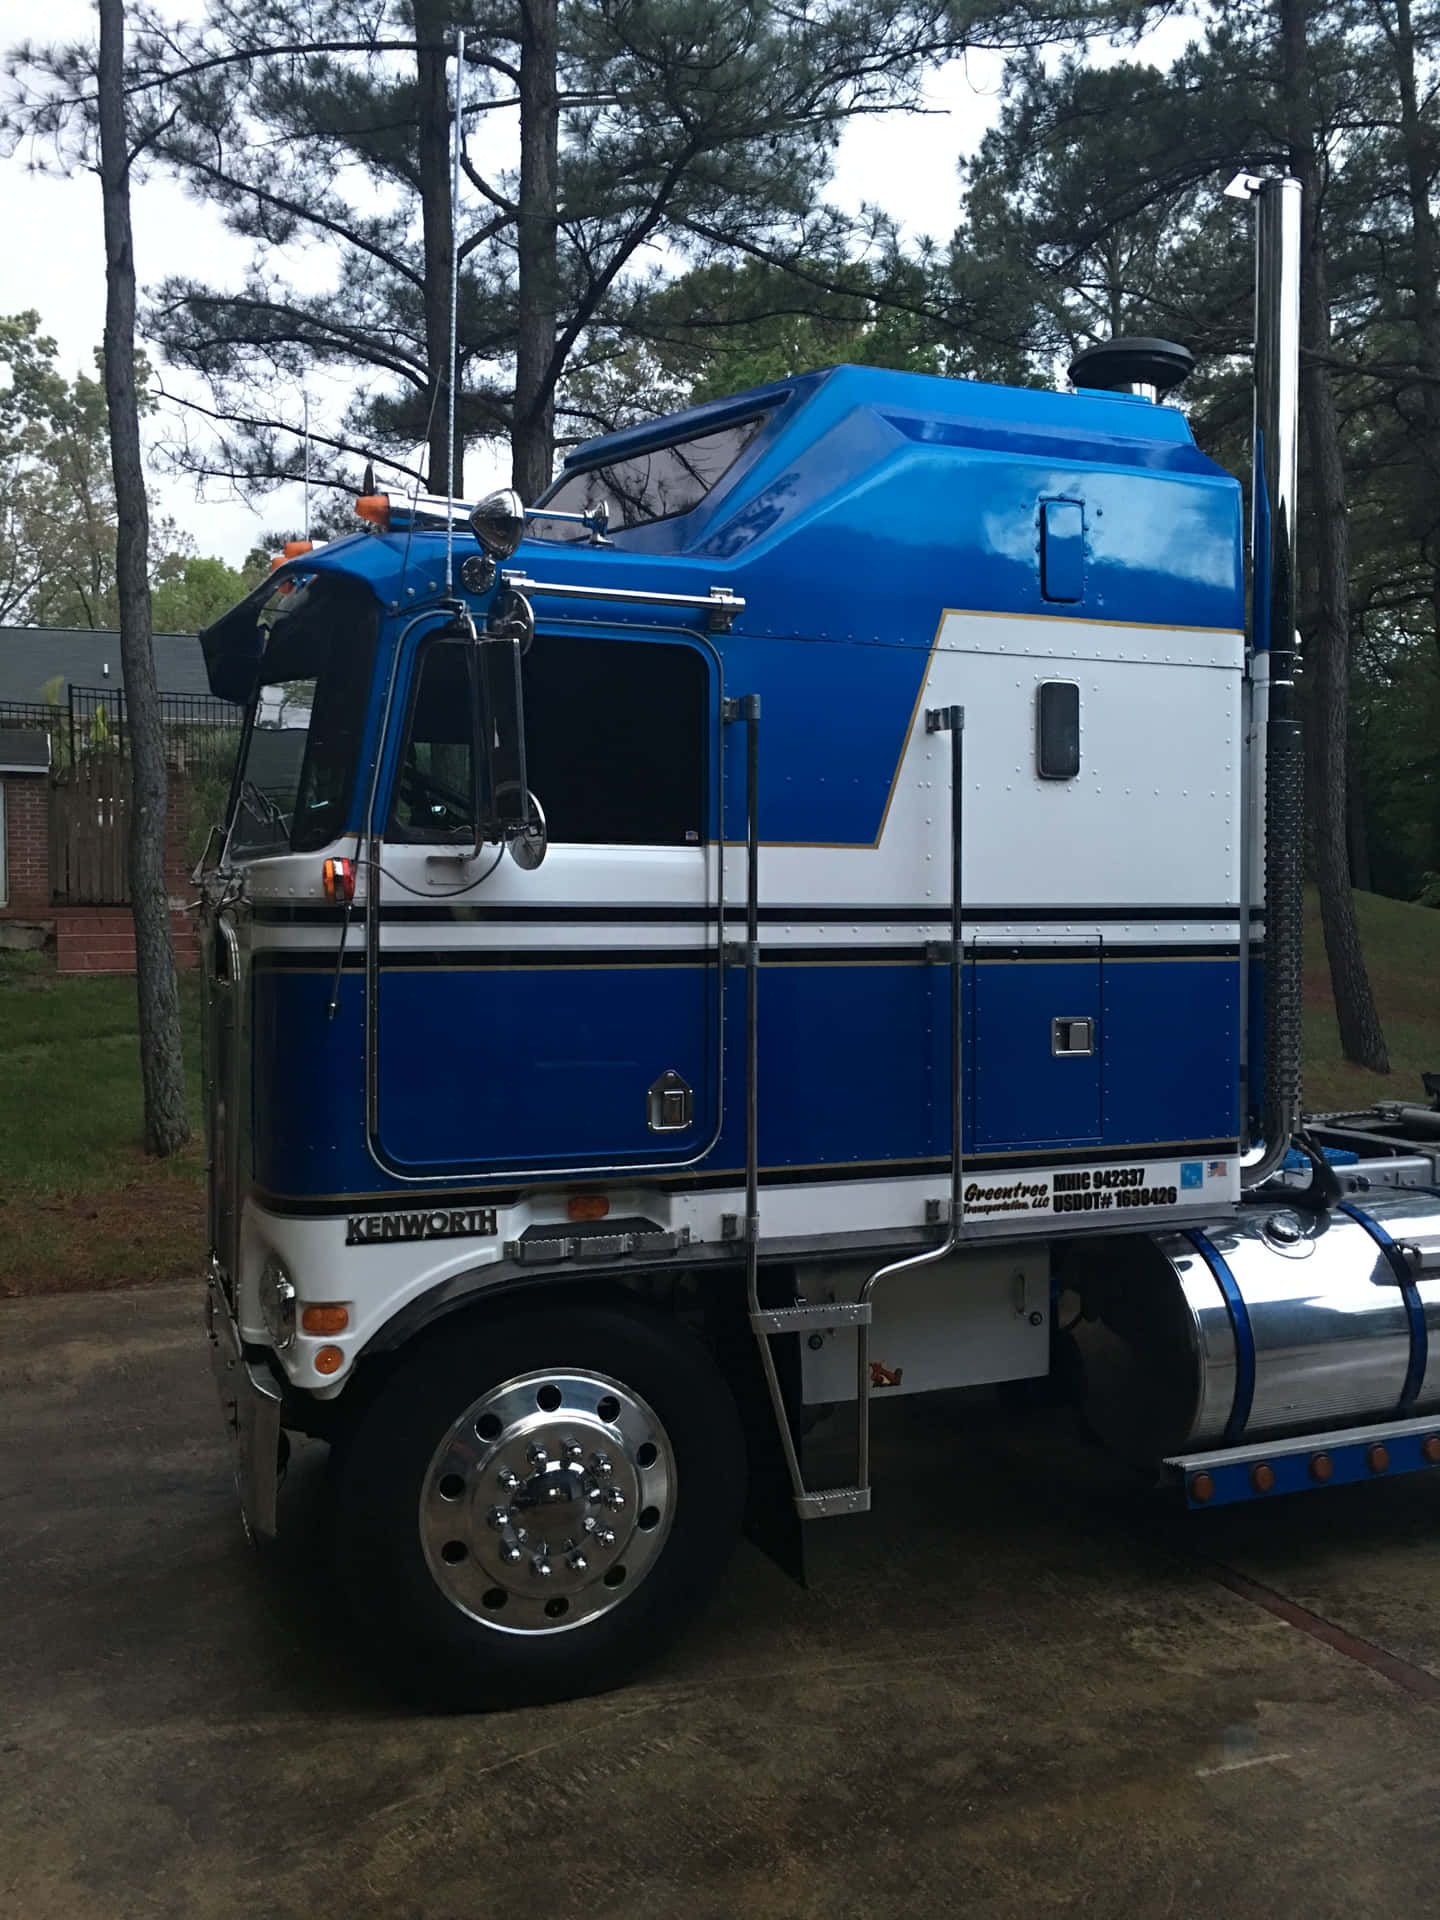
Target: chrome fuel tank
[(1276, 1322)]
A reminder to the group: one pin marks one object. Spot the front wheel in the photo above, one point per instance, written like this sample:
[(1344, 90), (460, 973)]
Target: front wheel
[(534, 1503)]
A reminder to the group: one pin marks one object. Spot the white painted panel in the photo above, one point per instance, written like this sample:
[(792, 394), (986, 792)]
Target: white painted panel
[(956, 1323)]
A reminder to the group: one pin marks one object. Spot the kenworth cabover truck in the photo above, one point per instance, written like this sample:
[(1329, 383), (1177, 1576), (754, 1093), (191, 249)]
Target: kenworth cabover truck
[(750, 935)]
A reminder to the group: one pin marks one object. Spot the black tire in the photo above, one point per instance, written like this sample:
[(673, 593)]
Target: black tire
[(426, 1641)]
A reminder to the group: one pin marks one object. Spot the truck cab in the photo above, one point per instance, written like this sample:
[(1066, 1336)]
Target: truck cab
[(734, 940)]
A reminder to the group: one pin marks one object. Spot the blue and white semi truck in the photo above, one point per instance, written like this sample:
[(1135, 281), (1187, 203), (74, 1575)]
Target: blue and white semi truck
[(755, 934)]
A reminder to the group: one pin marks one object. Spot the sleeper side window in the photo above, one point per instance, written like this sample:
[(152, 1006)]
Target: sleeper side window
[(1057, 730)]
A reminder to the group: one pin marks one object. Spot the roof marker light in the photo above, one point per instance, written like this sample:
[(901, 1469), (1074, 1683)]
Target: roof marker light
[(374, 507)]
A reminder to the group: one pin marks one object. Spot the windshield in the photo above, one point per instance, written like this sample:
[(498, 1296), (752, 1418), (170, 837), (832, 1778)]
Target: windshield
[(293, 789), (648, 486)]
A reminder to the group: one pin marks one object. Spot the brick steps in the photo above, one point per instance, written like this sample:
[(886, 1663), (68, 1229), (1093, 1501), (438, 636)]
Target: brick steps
[(102, 940)]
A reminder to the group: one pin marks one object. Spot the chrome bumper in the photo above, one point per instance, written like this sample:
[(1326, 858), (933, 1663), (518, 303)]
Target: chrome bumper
[(250, 1403)]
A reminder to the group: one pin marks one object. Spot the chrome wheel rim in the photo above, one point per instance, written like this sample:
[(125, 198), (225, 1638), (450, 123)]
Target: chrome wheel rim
[(547, 1502)]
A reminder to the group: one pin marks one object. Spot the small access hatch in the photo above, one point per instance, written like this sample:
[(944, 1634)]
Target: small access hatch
[(1062, 550)]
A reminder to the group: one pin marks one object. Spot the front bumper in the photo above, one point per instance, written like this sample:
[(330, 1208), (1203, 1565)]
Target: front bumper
[(250, 1404)]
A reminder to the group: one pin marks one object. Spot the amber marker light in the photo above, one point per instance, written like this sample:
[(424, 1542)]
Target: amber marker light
[(1321, 1466), (329, 1360), (1430, 1449), (1202, 1488), (1377, 1459), (294, 548), (1262, 1478), (339, 881), (374, 508), (587, 1206), (325, 1319)]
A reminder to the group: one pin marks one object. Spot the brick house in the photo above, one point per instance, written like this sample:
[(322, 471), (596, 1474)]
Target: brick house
[(63, 865)]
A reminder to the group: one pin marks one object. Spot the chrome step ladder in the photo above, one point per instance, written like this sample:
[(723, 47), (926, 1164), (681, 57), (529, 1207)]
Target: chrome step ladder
[(766, 1322)]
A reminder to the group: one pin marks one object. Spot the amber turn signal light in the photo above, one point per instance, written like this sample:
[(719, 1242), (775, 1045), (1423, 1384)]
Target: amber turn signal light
[(329, 1360), (325, 1319), (374, 507), (339, 881), (587, 1206)]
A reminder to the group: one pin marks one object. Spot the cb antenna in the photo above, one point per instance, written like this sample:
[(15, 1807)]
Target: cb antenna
[(457, 144), (305, 404)]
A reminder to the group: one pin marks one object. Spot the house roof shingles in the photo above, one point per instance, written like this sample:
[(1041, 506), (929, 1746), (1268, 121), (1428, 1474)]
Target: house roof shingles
[(32, 656)]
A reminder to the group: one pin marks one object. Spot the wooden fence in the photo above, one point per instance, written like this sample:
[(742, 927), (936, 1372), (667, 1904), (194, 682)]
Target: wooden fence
[(90, 832)]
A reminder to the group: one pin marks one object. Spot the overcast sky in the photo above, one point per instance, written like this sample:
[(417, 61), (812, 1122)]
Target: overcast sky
[(50, 243)]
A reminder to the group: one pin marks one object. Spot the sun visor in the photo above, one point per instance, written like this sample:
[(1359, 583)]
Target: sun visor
[(234, 644)]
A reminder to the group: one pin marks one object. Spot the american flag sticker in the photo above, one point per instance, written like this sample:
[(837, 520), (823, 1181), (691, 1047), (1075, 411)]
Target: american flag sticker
[(1216, 1169)]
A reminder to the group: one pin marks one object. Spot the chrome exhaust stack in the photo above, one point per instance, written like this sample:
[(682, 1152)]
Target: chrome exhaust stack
[(1274, 514)]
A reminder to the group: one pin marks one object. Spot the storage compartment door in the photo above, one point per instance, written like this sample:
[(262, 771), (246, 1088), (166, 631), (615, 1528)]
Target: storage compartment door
[(1036, 1048)]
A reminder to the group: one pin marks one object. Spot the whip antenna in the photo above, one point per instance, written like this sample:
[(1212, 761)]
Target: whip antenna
[(457, 145), (305, 402)]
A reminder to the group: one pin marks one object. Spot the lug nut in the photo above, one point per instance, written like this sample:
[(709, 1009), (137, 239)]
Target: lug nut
[(577, 1563), (510, 1553), (614, 1497), (574, 1451), (589, 1523), (537, 1455), (540, 1567), (605, 1536), (508, 1480), (600, 1463), (499, 1518)]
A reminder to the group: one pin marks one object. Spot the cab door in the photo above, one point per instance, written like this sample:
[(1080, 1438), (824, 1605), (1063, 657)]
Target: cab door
[(564, 1019)]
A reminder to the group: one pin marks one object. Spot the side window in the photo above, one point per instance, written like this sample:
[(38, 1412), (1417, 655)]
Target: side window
[(434, 788), (615, 740)]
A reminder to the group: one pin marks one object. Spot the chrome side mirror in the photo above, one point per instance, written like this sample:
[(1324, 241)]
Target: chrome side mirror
[(532, 842)]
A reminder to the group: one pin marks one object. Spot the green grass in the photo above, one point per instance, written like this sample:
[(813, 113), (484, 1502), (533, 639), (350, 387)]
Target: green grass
[(1402, 953), (80, 1202), (71, 1118)]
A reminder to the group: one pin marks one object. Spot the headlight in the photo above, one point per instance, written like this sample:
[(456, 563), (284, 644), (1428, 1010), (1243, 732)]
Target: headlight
[(498, 523), (277, 1303)]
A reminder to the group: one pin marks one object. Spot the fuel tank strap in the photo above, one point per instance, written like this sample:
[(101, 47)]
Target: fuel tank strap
[(1244, 1336), (1410, 1294)]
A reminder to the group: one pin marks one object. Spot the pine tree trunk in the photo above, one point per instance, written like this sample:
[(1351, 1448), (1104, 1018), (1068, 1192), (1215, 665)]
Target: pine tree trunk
[(433, 153), (161, 1061), (1425, 270), (1328, 656), (532, 443)]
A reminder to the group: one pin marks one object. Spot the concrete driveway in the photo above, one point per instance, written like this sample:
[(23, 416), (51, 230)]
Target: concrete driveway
[(1016, 1689)]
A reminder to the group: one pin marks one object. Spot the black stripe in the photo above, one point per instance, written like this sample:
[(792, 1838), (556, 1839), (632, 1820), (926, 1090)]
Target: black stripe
[(618, 913), (981, 1165), (481, 959)]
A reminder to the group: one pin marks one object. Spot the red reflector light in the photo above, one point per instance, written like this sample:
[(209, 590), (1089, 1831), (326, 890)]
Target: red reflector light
[(339, 881), (587, 1206)]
